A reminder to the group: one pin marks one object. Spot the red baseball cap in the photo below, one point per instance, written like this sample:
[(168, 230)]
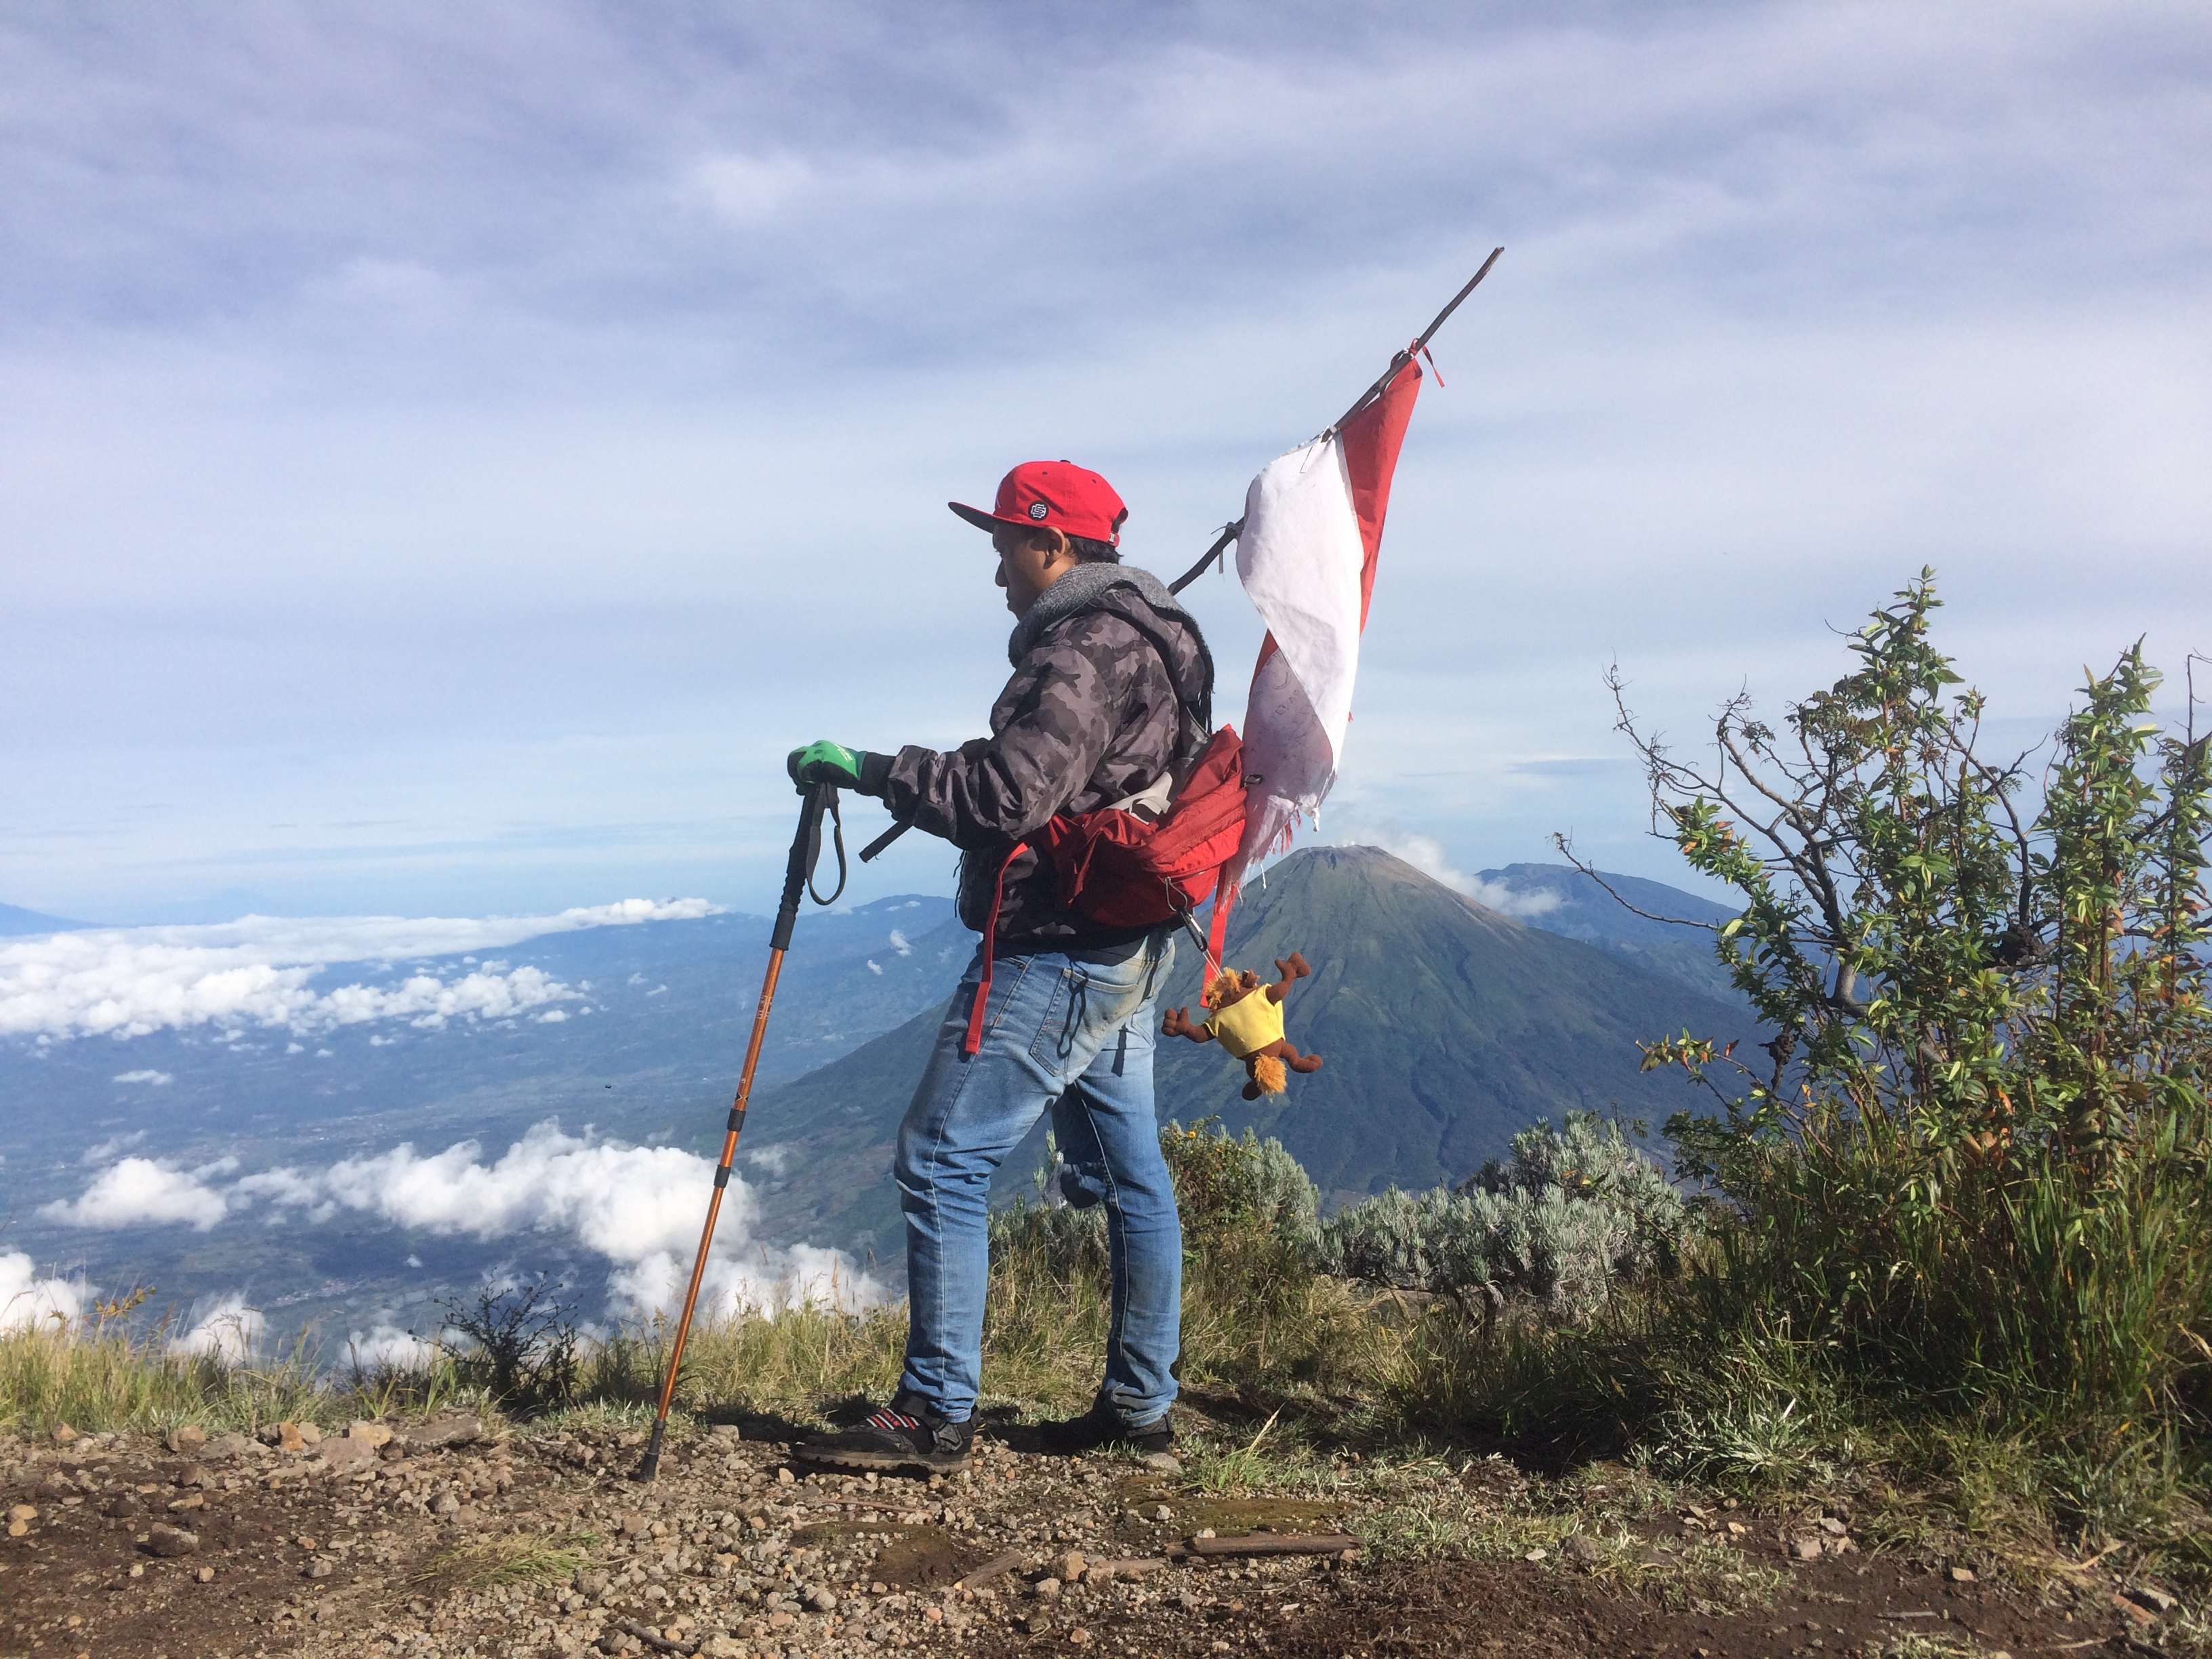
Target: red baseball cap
[(1058, 494)]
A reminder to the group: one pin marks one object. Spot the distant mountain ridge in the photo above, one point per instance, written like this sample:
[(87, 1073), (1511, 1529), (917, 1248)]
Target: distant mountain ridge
[(1445, 1027), (1578, 906), (15, 922)]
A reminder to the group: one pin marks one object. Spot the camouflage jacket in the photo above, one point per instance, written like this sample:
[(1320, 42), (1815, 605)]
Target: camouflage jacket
[(1095, 712)]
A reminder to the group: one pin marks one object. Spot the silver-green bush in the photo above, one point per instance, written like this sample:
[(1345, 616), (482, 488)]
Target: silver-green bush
[(1568, 1217)]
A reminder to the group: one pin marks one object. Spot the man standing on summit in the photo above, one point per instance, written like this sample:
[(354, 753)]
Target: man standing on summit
[(1110, 695)]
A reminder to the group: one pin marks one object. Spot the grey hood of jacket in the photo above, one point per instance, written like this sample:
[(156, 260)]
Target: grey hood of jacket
[(1083, 589)]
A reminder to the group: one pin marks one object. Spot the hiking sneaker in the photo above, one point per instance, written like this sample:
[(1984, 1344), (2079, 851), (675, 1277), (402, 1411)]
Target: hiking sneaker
[(904, 1435), (1101, 1429)]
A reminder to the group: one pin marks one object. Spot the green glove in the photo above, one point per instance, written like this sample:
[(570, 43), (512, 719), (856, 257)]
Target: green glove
[(824, 762)]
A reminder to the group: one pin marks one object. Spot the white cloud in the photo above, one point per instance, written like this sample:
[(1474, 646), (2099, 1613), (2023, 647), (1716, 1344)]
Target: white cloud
[(260, 970), (157, 1080), (637, 1207), (225, 1329), (621, 1200), (27, 1300), (113, 1147), (141, 1193), (1426, 853), (750, 190), (551, 1016), (386, 1347), (775, 1160), (428, 1003), (743, 1281), (899, 943), (875, 967)]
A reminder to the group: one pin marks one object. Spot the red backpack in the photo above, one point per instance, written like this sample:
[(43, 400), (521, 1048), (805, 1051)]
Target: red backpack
[(1134, 868), (1138, 864)]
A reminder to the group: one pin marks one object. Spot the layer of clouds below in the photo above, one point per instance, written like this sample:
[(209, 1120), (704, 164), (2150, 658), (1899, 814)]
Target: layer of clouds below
[(637, 1207), (1426, 853), (222, 1327), (385, 1347), (27, 1300), (260, 971)]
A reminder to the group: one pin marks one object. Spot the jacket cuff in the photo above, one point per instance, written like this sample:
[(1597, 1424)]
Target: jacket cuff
[(875, 772)]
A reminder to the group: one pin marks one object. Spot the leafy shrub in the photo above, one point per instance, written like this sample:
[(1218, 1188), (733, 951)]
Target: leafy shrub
[(1246, 1204), (1974, 1171), (1563, 1223), (1244, 1198)]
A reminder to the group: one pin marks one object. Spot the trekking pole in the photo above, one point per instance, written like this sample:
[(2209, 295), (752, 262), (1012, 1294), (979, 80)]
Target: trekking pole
[(797, 879)]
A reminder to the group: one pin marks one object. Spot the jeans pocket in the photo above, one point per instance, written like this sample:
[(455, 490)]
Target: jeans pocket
[(1122, 996), (1059, 1025)]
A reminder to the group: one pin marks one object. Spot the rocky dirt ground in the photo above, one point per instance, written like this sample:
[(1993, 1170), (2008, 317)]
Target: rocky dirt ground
[(452, 1538)]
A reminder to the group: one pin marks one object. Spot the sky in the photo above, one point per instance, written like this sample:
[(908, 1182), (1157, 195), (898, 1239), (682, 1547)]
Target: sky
[(450, 453)]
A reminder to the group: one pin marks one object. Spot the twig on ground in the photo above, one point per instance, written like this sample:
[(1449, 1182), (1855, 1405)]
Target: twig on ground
[(1272, 1543), (997, 1567), (658, 1644)]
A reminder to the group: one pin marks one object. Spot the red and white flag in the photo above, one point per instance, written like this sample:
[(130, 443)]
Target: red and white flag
[(1313, 524)]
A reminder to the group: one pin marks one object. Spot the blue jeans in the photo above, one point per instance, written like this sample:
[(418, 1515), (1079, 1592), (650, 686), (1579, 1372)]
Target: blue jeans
[(1071, 1032)]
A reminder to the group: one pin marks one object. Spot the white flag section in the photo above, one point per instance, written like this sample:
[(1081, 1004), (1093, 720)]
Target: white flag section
[(1313, 526), (1300, 556)]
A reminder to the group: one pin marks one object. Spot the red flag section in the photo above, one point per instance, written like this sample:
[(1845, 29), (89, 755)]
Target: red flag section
[(1310, 518)]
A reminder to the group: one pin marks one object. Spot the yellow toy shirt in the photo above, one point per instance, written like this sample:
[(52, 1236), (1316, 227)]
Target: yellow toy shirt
[(1247, 1025)]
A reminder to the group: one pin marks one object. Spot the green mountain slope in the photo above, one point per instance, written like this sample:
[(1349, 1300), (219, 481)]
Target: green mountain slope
[(1445, 1028)]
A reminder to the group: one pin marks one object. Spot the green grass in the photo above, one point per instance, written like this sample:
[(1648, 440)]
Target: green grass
[(112, 1373), (111, 1378), (1426, 1520)]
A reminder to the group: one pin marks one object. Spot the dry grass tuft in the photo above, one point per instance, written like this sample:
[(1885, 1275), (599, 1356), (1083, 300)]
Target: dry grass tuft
[(522, 1557)]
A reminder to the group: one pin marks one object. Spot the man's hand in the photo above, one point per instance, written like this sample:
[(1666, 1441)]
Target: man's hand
[(824, 762)]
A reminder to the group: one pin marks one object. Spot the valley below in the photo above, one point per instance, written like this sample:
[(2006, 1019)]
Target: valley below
[(340, 1186)]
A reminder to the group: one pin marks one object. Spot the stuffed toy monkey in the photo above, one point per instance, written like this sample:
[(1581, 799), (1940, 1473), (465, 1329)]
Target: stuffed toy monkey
[(1247, 1017)]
